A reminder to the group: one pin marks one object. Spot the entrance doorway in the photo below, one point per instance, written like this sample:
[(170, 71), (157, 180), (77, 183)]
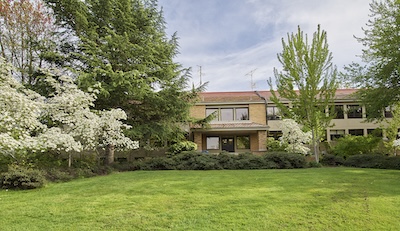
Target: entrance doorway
[(228, 144)]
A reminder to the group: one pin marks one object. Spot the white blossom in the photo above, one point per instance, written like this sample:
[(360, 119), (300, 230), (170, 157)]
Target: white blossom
[(294, 137), (64, 121)]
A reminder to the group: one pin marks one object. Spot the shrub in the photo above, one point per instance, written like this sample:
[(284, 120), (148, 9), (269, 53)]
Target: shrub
[(18, 177), (373, 161), (286, 160), (354, 145), (332, 160), (314, 164), (183, 146), (58, 175), (275, 145)]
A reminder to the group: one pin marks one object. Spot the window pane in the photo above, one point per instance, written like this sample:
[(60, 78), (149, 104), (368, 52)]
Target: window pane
[(209, 111), (275, 134), (273, 113), (212, 143), (336, 134), (243, 142), (354, 111), (339, 112), (388, 112), (227, 114), (356, 132), (242, 114)]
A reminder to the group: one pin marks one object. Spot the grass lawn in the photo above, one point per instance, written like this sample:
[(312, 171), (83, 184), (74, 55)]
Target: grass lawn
[(301, 199)]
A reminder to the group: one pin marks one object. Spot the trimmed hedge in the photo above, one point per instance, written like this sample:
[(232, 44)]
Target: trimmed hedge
[(202, 161), (373, 161)]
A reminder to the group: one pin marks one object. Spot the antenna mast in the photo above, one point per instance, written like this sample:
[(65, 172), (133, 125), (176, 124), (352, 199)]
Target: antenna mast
[(252, 84)]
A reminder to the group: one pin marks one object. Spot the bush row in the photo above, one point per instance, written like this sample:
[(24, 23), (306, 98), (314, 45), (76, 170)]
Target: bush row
[(363, 161), (200, 161)]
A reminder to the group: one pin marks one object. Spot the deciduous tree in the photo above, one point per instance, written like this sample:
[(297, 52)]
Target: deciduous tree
[(379, 77), (308, 81)]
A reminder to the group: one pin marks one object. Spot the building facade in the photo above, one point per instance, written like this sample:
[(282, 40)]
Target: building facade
[(243, 120)]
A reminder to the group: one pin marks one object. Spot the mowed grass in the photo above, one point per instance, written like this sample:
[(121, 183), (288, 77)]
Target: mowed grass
[(301, 199)]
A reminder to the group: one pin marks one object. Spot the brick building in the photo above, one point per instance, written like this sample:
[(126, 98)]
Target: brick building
[(245, 119)]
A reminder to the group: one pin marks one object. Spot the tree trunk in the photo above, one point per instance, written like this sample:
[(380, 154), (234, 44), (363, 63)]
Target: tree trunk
[(314, 143), (109, 154)]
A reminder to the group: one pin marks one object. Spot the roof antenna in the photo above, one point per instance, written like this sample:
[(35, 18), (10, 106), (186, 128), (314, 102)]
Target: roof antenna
[(200, 75), (252, 84)]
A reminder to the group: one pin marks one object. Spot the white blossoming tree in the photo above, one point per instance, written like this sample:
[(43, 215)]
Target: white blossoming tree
[(294, 137), (63, 121)]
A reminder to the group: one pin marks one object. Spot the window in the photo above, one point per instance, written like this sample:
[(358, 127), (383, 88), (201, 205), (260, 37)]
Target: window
[(229, 114), (275, 134), (375, 132), (213, 142), (356, 132), (210, 111), (336, 134), (242, 114), (354, 111), (226, 114), (388, 112), (339, 112), (273, 113), (243, 142)]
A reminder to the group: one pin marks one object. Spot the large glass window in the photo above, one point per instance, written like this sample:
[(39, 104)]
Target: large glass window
[(226, 114), (273, 113), (336, 134), (212, 143), (354, 111), (243, 142), (339, 112), (242, 114), (229, 114), (210, 111), (356, 132)]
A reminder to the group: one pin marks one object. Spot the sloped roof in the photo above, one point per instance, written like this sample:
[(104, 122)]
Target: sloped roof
[(255, 96)]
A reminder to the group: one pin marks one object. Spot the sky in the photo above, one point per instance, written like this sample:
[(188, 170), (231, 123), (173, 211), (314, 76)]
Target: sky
[(235, 42)]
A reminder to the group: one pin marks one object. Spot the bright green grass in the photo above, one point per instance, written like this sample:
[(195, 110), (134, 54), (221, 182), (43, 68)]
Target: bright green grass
[(304, 199)]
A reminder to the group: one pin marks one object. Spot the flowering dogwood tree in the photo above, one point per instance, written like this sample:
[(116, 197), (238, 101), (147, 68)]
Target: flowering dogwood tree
[(63, 121), (294, 137)]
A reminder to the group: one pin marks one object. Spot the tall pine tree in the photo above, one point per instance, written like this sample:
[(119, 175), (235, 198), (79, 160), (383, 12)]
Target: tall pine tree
[(121, 47)]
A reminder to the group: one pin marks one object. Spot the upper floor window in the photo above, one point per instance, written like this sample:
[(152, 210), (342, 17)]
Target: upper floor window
[(388, 112), (229, 114), (356, 132), (339, 112), (354, 111), (273, 113)]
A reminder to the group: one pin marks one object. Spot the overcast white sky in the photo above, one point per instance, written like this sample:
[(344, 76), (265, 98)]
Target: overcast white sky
[(231, 38)]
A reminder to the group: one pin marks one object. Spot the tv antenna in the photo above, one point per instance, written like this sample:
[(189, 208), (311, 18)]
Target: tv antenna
[(250, 73), (200, 75)]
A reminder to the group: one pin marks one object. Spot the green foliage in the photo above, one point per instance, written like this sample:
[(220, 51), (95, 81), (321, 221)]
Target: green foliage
[(353, 145), (19, 177), (182, 147), (378, 79), (275, 145), (332, 160), (201, 161), (314, 164), (373, 161), (308, 80), (123, 50)]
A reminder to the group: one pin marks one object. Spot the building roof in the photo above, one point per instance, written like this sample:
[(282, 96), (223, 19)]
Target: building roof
[(257, 96)]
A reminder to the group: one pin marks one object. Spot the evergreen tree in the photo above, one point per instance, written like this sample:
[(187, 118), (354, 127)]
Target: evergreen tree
[(122, 49)]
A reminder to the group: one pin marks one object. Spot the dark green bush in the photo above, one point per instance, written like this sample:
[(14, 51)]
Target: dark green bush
[(332, 160), (314, 164), (58, 175), (196, 161), (373, 161), (286, 160), (18, 177)]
